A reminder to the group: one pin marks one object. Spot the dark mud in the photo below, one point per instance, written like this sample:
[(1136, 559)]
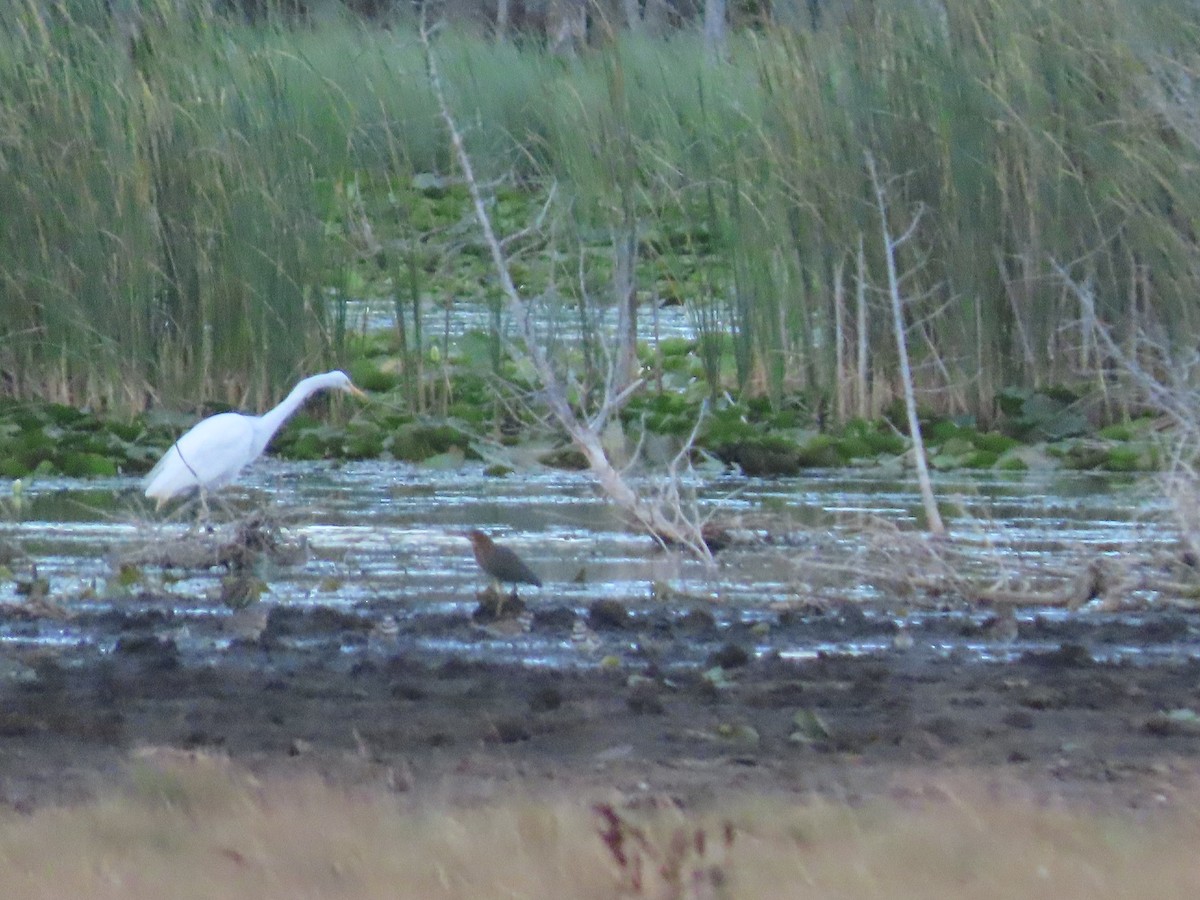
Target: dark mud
[(689, 701)]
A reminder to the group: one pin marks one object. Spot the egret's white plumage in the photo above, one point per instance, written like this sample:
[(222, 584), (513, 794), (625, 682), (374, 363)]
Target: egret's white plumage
[(215, 450)]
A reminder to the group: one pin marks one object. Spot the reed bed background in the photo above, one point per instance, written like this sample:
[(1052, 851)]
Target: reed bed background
[(175, 191)]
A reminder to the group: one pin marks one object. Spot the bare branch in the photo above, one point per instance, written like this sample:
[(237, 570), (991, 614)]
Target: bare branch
[(1170, 402), (669, 523), (535, 226), (890, 244)]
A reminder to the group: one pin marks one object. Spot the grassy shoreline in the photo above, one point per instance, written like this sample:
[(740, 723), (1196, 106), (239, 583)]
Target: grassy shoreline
[(203, 821), (1043, 432)]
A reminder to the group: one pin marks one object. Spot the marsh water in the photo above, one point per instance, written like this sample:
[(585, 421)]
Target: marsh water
[(666, 321), (380, 566)]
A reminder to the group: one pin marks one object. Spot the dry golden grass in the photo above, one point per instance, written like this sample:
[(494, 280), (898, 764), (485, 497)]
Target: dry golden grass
[(198, 827)]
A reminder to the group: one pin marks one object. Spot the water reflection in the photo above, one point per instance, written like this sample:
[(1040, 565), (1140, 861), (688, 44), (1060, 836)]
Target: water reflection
[(381, 541), (461, 318)]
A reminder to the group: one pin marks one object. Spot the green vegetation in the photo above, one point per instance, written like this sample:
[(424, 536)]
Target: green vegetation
[(161, 235), (42, 439), (189, 205), (53, 439)]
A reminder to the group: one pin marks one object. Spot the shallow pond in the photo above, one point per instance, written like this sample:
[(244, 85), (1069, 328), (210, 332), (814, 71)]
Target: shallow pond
[(654, 324), (385, 570)]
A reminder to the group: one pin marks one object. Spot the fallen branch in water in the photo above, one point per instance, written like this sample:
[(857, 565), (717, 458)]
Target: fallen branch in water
[(236, 546), (666, 519), (985, 568)]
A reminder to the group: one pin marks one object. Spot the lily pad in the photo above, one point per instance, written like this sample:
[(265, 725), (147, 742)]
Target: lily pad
[(87, 465)]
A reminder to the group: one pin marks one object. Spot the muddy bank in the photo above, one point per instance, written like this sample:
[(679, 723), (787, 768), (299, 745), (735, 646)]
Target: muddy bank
[(675, 703), (820, 655)]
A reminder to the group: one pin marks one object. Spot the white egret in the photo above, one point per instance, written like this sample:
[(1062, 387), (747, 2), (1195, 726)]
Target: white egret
[(215, 450)]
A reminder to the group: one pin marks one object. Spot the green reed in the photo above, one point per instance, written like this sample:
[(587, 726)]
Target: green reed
[(160, 235), (180, 201)]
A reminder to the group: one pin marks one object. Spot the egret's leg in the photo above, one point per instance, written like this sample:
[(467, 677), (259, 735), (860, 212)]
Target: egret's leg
[(205, 519)]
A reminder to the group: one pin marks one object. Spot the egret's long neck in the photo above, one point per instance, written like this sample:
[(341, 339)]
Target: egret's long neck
[(270, 421)]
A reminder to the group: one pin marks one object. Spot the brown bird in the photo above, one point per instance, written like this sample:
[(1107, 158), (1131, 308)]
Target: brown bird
[(500, 563)]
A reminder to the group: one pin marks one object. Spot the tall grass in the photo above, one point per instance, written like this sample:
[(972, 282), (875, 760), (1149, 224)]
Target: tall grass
[(1049, 132), (1025, 133), (174, 191), (160, 235)]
